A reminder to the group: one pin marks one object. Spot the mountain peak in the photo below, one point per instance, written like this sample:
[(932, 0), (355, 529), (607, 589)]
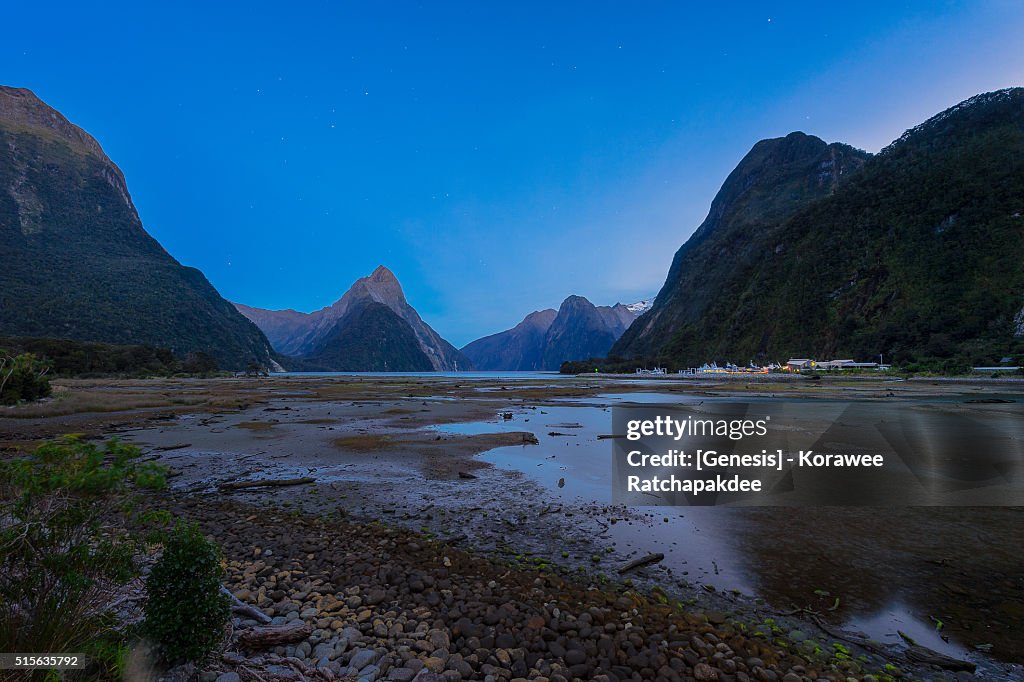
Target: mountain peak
[(575, 301), (22, 108), (381, 285), (67, 217), (383, 274)]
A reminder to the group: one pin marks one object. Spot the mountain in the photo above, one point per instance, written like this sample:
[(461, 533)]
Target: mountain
[(817, 250), (546, 338), (520, 348), (372, 338), (339, 337), (582, 330), (75, 260)]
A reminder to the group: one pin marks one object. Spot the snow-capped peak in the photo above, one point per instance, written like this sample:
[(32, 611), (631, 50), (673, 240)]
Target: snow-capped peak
[(640, 307)]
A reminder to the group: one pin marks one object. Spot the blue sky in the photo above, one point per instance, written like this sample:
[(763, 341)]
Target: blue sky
[(497, 157)]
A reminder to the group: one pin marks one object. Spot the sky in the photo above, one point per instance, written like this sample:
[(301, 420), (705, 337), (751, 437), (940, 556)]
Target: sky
[(498, 157)]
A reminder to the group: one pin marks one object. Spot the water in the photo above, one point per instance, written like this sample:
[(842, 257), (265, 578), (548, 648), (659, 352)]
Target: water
[(891, 569), (534, 376)]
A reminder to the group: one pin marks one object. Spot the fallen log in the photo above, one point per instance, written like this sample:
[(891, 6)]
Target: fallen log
[(165, 448), (268, 636), (246, 610), (921, 654), (642, 561), (239, 485)]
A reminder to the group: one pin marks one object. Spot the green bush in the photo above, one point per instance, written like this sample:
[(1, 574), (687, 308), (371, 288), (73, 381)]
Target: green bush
[(186, 610), (22, 377), (64, 543)]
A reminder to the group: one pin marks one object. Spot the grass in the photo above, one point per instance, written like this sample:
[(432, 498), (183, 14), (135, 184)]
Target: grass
[(67, 400), (256, 426), (363, 442)]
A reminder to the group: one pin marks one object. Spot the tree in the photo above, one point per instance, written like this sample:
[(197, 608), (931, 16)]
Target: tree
[(64, 540), (22, 377)]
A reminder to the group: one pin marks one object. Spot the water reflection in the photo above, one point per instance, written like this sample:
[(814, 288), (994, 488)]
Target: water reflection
[(951, 578)]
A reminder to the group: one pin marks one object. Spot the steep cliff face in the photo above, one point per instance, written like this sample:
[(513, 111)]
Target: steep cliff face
[(76, 261), (915, 256), (776, 179), (312, 335)]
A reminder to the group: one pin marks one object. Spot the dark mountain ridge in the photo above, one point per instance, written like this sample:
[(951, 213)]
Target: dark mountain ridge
[(341, 337), (914, 256), (547, 338), (77, 263)]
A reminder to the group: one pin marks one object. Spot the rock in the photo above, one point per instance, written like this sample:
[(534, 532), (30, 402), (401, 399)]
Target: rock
[(401, 675), (505, 641), (370, 673), (427, 676), (715, 617), (180, 673), (439, 639), (703, 672), (575, 657), (229, 677), (208, 676), (362, 658), (283, 672)]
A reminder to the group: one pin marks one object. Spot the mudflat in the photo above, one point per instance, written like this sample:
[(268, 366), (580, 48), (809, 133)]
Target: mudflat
[(456, 512)]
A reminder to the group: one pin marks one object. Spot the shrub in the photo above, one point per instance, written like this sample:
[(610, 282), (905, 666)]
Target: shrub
[(64, 546), (186, 610), (22, 377)]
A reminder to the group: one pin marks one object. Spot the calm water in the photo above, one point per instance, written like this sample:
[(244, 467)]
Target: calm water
[(547, 376), (890, 568)]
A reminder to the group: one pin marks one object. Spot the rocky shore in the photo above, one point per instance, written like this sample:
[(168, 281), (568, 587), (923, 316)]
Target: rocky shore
[(516, 578), (383, 603)]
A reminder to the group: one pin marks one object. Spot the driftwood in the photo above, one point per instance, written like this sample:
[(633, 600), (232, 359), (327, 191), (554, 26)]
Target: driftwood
[(466, 474), (165, 448), (920, 654), (862, 642), (642, 561), (242, 609), (275, 635), (239, 485)]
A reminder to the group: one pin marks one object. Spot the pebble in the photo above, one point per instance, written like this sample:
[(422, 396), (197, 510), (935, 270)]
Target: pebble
[(389, 609)]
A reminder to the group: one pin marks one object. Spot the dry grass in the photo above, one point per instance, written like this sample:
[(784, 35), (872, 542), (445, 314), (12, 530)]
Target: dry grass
[(74, 400), (256, 426), (363, 442)]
